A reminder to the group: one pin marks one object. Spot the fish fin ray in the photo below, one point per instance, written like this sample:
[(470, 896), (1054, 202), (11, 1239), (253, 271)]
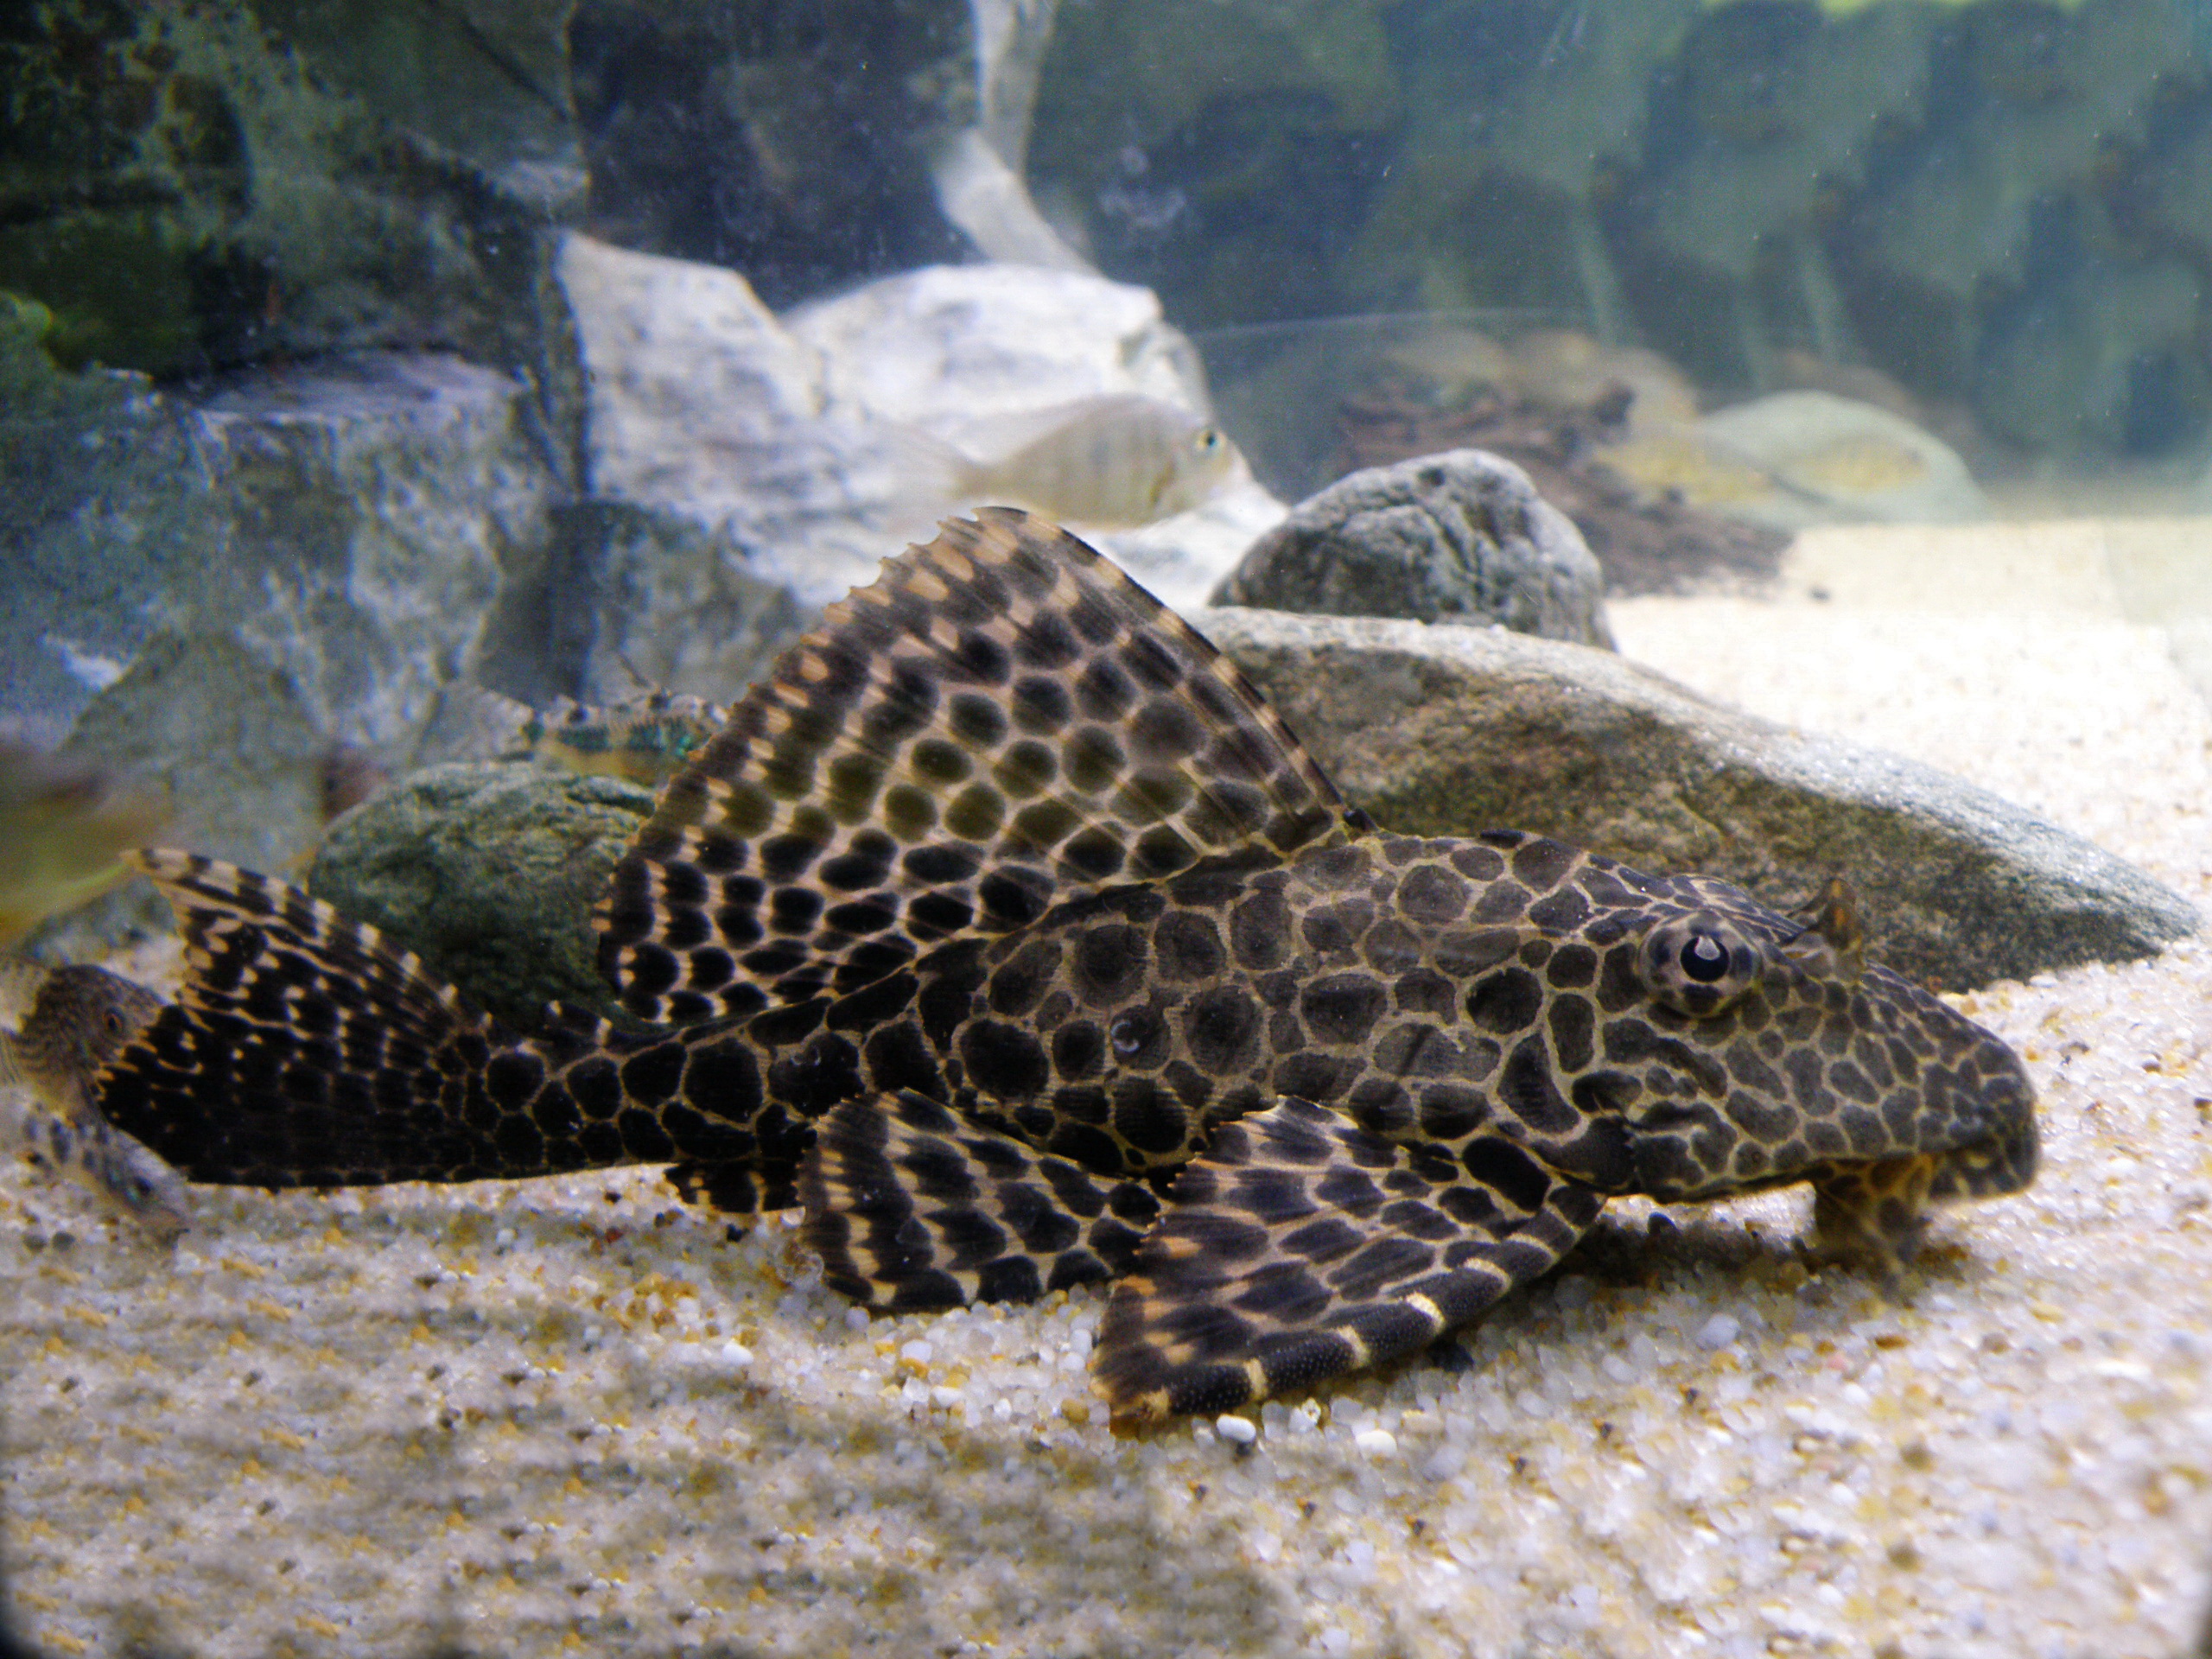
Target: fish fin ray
[(303, 1050), (911, 1206), (1301, 1248), (1000, 722)]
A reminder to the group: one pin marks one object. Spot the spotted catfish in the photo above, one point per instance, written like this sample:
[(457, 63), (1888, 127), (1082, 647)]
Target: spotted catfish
[(1006, 930)]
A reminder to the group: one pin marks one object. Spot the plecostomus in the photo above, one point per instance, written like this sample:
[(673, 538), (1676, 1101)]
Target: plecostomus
[(1008, 932)]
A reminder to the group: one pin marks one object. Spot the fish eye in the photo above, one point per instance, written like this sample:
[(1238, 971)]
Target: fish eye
[(1208, 440), (1698, 965), (1704, 959)]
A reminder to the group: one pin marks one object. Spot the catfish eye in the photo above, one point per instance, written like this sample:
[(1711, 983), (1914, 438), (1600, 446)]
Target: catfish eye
[(1697, 964), (1208, 440), (1704, 959)]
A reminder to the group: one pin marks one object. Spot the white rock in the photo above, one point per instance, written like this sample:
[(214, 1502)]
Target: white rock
[(988, 200), (704, 407), (969, 356), (790, 456), (678, 350), (1240, 1430), (955, 350), (1377, 1442), (1718, 1331)]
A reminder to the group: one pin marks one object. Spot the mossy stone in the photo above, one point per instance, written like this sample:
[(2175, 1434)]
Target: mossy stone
[(489, 871)]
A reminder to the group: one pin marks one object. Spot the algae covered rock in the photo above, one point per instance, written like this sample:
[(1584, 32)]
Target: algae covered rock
[(195, 186), (792, 142), (1460, 536), (490, 873)]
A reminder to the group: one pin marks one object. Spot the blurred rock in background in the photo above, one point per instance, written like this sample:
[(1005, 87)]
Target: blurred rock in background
[(357, 360)]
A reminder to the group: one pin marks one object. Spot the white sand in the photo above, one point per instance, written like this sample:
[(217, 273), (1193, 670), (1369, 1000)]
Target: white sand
[(567, 1416)]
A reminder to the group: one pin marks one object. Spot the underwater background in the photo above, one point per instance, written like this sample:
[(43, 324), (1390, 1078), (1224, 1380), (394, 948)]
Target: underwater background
[(419, 423)]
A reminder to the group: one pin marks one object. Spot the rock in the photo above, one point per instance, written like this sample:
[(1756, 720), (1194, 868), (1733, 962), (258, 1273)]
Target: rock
[(1553, 429), (197, 188), (489, 84), (375, 513), (705, 410), (2105, 367), (1797, 459), (951, 348), (791, 145), (227, 735), (798, 451), (690, 374), (969, 356), (490, 872), (96, 503), (225, 593), (986, 198), (1451, 730), (677, 609), (1224, 150), (1438, 538)]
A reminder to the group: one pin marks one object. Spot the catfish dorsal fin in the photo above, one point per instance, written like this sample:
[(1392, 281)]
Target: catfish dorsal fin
[(1000, 722)]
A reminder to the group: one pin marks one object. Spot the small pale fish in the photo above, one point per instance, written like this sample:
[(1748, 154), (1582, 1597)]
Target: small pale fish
[(80, 1018), (1111, 463), (62, 825), (647, 739)]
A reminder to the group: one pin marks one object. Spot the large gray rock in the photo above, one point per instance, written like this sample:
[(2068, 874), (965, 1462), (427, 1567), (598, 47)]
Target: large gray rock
[(230, 594), (1450, 730), (677, 607), (1457, 536), (490, 872)]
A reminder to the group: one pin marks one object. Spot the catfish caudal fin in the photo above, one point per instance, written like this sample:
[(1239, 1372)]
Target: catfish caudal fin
[(1002, 720), (1301, 1248), (911, 1207), (303, 1051)]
